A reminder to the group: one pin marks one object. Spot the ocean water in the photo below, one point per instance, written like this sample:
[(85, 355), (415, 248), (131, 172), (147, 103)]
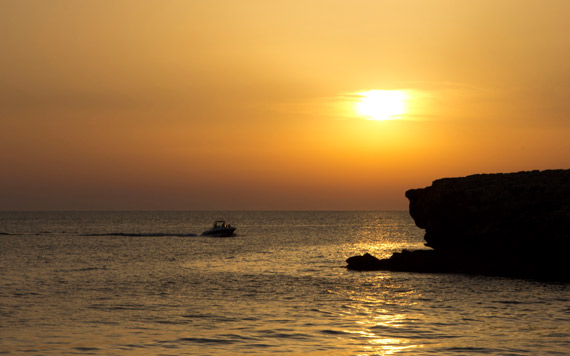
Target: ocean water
[(143, 283)]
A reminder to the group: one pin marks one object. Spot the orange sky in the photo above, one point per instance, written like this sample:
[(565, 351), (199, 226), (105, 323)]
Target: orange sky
[(249, 105)]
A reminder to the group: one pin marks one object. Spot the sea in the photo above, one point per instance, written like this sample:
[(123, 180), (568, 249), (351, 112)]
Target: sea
[(147, 283)]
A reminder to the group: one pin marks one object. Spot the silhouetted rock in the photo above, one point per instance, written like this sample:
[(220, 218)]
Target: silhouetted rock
[(527, 210), (366, 262), (515, 224)]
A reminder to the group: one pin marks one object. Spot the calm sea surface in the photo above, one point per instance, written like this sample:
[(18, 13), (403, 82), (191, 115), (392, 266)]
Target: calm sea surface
[(142, 284)]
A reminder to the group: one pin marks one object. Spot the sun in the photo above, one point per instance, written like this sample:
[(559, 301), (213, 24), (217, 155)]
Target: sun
[(382, 104)]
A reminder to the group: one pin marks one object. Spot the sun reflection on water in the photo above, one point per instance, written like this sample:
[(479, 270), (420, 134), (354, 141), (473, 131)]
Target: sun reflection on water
[(381, 315), (379, 345)]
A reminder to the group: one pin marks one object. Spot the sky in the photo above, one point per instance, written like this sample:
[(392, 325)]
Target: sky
[(253, 104)]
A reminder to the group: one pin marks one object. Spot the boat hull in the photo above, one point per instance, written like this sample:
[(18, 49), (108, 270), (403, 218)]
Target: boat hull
[(220, 232)]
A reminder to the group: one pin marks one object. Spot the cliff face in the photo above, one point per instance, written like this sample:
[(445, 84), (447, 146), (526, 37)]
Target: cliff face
[(514, 224), (498, 212)]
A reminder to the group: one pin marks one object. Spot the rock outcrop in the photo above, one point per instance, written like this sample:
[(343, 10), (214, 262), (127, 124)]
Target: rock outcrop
[(514, 224)]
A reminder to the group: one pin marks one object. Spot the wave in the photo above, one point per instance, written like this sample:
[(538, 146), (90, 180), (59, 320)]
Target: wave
[(204, 340), (86, 349), (412, 332)]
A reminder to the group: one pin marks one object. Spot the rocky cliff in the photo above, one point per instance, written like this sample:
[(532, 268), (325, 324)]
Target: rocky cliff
[(514, 224)]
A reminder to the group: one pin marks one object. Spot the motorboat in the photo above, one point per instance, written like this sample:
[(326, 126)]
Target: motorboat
[(220, 229)]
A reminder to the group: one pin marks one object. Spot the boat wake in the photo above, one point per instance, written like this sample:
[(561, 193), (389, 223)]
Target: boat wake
[(142, 234)]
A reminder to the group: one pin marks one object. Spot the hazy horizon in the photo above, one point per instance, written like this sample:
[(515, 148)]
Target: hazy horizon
[(281, 106)]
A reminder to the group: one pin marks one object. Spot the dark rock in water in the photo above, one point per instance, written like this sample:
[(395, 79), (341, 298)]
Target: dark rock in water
[(366, 262), (553, 267), (515, 224)]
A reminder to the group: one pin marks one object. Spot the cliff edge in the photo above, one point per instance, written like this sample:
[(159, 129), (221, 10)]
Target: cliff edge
[(512, 224)]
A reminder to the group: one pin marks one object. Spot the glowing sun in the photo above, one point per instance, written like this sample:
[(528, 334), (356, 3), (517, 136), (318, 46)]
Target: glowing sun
[(382, 104)]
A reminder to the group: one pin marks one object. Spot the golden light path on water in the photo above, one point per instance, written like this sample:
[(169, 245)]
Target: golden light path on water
[(373, 310), (374, 317), (371, 321)]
